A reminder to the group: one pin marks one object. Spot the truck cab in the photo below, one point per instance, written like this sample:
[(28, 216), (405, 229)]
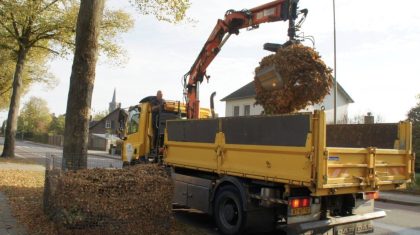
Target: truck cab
[(142, 130)]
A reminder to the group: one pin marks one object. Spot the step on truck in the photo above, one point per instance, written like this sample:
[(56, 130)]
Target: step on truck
[(293, 172)]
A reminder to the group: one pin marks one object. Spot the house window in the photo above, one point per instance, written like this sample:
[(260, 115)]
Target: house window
[(247, 110), (235, 111), (108, 124)]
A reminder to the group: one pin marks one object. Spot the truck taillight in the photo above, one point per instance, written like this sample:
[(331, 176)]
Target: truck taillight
[(371, 195), (305, 202), (300, 202), (295, 203)]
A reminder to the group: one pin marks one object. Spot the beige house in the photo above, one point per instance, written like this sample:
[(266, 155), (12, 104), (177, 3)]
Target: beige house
[(242, 103)]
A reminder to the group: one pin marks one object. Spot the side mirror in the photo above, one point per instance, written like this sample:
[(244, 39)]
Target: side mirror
[(121, 134)]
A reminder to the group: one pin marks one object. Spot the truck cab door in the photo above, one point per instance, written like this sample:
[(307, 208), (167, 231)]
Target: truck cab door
[(133, 137)]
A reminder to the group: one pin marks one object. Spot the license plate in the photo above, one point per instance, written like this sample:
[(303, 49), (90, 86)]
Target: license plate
[(300, 211), (355, 228), (364, 227)]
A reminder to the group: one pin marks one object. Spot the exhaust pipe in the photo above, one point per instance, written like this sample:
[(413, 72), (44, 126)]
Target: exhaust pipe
[(213, 115)]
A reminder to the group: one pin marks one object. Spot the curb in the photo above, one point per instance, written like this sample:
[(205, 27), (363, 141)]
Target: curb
[(406, 192), (104, 156), (42, 144), (398, 202)]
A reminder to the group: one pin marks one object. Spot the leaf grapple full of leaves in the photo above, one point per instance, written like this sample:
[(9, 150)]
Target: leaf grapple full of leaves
[(306, 80)]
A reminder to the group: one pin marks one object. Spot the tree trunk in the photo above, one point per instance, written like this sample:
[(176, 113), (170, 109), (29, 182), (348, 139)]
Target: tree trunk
[(11, 127), (81, 84)]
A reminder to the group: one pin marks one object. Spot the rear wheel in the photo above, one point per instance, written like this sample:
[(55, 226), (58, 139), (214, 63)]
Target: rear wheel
[(229, 214)]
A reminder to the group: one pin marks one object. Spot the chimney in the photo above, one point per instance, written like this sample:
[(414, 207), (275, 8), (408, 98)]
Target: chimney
[(369, 119)]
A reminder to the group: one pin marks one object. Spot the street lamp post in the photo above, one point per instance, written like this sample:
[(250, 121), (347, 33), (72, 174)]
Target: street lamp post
[(335, 69)]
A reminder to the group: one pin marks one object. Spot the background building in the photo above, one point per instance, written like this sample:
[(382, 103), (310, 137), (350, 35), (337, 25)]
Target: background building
[(242, 103), (104, 132)]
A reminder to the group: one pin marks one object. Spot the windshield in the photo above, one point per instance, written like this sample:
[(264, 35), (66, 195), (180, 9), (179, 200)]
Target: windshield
[(133, 121)]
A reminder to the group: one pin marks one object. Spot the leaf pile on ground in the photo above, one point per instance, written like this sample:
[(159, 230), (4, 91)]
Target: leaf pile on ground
[(306, 80), (24, 190), (136, 200)]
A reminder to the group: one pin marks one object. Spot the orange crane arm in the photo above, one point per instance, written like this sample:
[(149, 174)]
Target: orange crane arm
[(279, 10)]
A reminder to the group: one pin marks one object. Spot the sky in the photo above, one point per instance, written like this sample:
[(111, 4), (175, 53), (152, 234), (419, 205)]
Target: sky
[(378, 62)]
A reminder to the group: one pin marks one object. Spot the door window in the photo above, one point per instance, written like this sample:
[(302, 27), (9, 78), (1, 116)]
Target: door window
[(133, 121)]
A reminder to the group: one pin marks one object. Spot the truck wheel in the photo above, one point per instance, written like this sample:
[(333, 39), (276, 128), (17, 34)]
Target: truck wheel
[(125, 164), (228, 212)]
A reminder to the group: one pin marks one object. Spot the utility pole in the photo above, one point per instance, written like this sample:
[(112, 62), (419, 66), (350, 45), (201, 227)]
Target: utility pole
[(335, 68)]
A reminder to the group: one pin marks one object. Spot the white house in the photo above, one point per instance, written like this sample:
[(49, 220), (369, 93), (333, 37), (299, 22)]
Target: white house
[(242, 103)]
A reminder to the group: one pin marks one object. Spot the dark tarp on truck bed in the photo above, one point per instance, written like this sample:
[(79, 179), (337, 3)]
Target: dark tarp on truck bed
[(381, 135), (283, 130), (278, 130)]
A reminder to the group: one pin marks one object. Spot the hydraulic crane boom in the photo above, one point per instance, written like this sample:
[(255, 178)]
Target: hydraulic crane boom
[(280, 10)]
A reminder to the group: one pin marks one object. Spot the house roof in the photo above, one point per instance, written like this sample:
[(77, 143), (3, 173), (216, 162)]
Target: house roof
[(248, 91), (92, 124)]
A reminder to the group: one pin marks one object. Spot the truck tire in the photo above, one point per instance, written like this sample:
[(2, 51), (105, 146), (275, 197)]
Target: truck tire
[(229, 214)]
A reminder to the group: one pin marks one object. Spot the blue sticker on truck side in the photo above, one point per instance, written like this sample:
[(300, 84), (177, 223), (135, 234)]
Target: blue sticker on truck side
[(333, 158)]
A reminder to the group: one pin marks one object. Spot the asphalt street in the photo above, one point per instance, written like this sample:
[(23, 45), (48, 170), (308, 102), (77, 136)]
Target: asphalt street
[(41, 153)]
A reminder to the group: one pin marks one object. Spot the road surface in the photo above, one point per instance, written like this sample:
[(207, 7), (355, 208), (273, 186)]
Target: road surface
[(400, 219), (38, 153)]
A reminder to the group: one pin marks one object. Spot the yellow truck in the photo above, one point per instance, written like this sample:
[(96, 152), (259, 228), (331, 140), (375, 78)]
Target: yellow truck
[(143, 129), (259, 173), (292, 172)]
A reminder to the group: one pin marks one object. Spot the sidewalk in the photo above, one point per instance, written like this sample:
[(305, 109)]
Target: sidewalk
[(399, 198), (8, 224), (103, 154)]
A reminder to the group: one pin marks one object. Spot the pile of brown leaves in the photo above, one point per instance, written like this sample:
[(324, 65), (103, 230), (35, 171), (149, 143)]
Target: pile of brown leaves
[(307, 80), (137, 200), (24, 192)]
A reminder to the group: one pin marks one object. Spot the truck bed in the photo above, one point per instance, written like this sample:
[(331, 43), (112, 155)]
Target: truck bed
[(297, 149)]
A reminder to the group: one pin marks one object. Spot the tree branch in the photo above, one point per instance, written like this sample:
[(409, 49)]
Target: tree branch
[(47, 6), (4, 92), (4, 46), (38, 38), (14, 24), (9, 30), (48, 49)]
